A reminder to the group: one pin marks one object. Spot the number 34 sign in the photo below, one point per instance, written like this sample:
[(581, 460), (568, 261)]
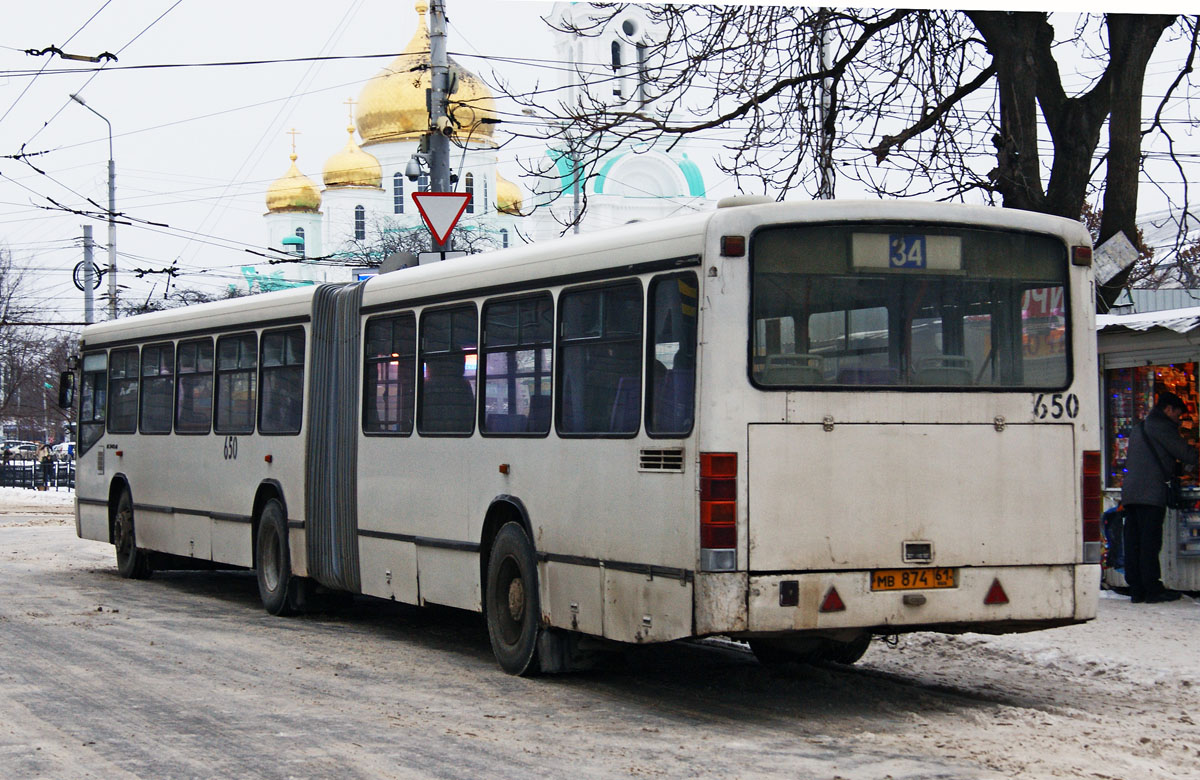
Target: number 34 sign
[(906, 251)]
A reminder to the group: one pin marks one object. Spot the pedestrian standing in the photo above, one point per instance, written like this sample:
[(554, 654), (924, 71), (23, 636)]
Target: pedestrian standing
[(42, 459), (1155, 450)]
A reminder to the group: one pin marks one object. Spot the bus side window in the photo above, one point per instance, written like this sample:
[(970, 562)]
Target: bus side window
[(282, 382), (92, 400), (194, 387), (671, 379), (237, 383), (448, 362), (389, 374), (158, 388), (517, 349), (123, 390), (600, 360)]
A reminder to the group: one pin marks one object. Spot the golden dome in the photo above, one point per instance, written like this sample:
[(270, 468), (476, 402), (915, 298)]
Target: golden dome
[(293, 192), (352, 167), (508, 197), (391, 107)]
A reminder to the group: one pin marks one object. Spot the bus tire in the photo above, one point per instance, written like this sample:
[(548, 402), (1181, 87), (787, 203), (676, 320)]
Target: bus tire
[(133, 563), (273, 563), (511, 604)]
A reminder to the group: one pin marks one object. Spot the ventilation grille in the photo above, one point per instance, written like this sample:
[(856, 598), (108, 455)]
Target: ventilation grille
[(661, 460)]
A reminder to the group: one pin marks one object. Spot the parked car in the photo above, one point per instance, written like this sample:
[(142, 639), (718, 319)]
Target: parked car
[(64, 450), (20, 450)]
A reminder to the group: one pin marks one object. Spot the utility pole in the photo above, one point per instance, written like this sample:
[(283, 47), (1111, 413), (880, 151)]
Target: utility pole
[(89, 315), (112, 232), (112, 213), (439, 119)]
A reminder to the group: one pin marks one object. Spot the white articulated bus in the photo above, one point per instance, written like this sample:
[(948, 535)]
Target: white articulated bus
[(796, 424)]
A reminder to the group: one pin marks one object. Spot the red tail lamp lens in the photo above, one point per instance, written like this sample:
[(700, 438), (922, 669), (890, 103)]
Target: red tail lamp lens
[(1093, 498), (718, 500)]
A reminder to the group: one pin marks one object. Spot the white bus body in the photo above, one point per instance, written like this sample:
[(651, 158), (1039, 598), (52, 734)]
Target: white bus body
[(795, 424)]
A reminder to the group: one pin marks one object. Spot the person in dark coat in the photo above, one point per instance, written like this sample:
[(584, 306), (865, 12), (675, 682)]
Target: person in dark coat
[(1155, 447)]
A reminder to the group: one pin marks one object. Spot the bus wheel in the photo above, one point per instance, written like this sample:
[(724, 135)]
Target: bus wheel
[(511, 605), (132, 562), (846, 652), (273, 563)]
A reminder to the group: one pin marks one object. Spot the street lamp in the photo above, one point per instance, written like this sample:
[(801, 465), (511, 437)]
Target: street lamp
[(112, 213)]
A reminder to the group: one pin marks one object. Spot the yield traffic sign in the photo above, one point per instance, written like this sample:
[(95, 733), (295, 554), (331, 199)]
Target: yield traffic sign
[(441, 211)]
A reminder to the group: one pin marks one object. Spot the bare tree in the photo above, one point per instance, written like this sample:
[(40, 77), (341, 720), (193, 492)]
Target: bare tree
[(177, 298), (908, 102), (20, 343), (385, 237)]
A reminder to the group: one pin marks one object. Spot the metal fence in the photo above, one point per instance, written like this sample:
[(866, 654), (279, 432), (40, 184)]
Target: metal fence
[(56, 475)]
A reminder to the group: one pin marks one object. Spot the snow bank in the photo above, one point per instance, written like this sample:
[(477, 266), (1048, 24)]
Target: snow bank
[(24, 497)]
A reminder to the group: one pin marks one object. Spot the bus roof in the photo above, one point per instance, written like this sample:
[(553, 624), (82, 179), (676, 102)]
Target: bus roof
[(573, 257), (281, 305)]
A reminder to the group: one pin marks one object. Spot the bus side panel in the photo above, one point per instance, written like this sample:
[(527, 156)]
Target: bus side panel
[(643, 608), (388, 569), (231, 543), (449, 577), (721, 603), (1087, 591), (91, 521), (572, 596)]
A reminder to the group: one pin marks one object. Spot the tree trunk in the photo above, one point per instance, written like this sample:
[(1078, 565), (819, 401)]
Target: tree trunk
[(1013, 40)]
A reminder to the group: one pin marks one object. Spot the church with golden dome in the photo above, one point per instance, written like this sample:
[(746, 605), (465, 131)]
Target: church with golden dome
[(364, 206)]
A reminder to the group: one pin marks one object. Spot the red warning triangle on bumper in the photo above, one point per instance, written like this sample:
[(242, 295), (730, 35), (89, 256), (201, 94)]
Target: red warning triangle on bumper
[(996, 594), (832, 602), (441, 211)]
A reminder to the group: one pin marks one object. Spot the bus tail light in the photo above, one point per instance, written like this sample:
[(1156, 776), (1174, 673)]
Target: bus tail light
[(718, 511), (1092, 506)]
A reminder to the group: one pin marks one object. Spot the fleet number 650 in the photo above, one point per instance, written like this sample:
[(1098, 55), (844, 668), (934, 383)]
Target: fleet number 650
[(1056, 406)]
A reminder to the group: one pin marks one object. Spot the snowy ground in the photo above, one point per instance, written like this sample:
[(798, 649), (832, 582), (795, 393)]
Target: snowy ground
[(1118, 697), (38, 507)]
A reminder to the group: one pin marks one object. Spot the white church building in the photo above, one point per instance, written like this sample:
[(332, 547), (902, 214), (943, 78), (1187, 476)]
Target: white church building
[(364, 193)]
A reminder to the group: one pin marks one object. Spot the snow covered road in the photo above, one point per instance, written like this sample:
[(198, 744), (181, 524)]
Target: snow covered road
[(184, 676)]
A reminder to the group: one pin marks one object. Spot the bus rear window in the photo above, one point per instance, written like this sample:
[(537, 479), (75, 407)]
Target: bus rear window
[(908, 306)]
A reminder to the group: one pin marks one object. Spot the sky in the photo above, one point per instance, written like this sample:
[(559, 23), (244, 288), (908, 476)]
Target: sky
[(196, 147)]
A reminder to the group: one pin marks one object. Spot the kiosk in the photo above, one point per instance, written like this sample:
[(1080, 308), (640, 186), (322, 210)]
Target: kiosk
[(1140, 355)]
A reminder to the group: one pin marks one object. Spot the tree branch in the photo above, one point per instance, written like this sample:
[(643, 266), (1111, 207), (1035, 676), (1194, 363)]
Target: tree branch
[(930, 118)]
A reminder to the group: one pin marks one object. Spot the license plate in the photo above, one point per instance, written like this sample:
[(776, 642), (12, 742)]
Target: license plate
[(913, 579)]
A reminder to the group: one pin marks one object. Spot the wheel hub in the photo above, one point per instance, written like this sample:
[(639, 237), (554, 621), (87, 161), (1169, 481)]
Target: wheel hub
[(516, 599)]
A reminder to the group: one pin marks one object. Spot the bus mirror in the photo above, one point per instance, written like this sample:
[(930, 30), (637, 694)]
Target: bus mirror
[(66, 389)]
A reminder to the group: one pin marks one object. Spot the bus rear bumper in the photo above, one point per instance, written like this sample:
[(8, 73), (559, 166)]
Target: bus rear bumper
[(1031, 597)]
